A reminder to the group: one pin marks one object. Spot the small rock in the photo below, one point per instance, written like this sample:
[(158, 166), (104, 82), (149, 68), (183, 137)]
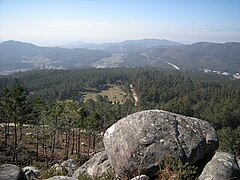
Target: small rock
[(223, 166), (62, 178), (58, 168), (31, 175), (31, 172), (96, 166), (70, 166), (142, 177), (11, 172)]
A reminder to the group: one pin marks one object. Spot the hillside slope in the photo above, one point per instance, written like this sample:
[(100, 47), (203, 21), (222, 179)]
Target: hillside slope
[(202, 55), (15, 55)]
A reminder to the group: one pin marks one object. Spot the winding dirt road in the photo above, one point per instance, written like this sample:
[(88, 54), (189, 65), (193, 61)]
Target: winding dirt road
[(135, 97)]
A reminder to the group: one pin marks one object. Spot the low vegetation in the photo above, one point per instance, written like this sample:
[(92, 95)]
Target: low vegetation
[(114, 93), (175, 169)]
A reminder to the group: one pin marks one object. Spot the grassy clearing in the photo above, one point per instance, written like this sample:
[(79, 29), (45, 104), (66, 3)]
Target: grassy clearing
[(114, 94)]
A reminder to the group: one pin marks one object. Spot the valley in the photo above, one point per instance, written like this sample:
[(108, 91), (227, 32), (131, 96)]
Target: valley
[(119, 90), (17, 56)]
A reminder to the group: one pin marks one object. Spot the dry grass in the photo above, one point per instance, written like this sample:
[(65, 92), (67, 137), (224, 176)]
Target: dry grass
[(27, 147), (114, 94), (168, 174)]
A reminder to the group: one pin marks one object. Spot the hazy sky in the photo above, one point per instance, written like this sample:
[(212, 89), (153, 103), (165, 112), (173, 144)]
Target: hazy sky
[(61, 21)]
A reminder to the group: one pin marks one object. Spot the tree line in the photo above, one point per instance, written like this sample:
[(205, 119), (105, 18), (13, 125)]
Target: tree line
[(51, 101), (56, 124)]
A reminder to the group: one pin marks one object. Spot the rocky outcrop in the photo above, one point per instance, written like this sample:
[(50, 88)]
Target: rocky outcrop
[(62, 178), (69, 166), (139, 142), (11, 172), (96, 166), (223, 166), (31, 172)]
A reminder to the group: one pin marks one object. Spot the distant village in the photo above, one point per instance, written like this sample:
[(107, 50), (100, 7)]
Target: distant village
[(236, 75)]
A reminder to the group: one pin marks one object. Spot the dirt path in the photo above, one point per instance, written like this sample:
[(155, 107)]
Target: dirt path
[(135, 97)]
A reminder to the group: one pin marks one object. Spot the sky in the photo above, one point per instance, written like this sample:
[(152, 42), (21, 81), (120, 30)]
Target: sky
[(52, 22)]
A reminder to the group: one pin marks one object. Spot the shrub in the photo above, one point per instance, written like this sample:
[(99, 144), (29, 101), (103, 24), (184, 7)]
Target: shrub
[(176, 170), (50, 173), (109, 175)]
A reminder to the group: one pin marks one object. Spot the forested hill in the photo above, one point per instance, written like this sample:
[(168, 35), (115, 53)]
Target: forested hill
[(202, 55), (206, 96)]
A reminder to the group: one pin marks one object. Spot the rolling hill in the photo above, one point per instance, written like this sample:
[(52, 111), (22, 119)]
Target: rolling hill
[(16, 55), (19, 55), (202, 55)]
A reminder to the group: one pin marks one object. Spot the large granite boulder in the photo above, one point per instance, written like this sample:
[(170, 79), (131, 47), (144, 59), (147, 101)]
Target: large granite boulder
[(11, 172), (96, 166), (141, 141), (223, 166)]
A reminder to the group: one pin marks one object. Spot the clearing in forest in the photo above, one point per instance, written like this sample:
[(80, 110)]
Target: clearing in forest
[(114, 93)]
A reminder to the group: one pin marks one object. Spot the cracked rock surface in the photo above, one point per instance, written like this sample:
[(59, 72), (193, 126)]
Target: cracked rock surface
[(139, 142)]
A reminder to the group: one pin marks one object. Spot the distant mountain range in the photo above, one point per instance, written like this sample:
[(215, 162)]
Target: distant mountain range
[(125, 46), (19, 55), (16, 55)]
